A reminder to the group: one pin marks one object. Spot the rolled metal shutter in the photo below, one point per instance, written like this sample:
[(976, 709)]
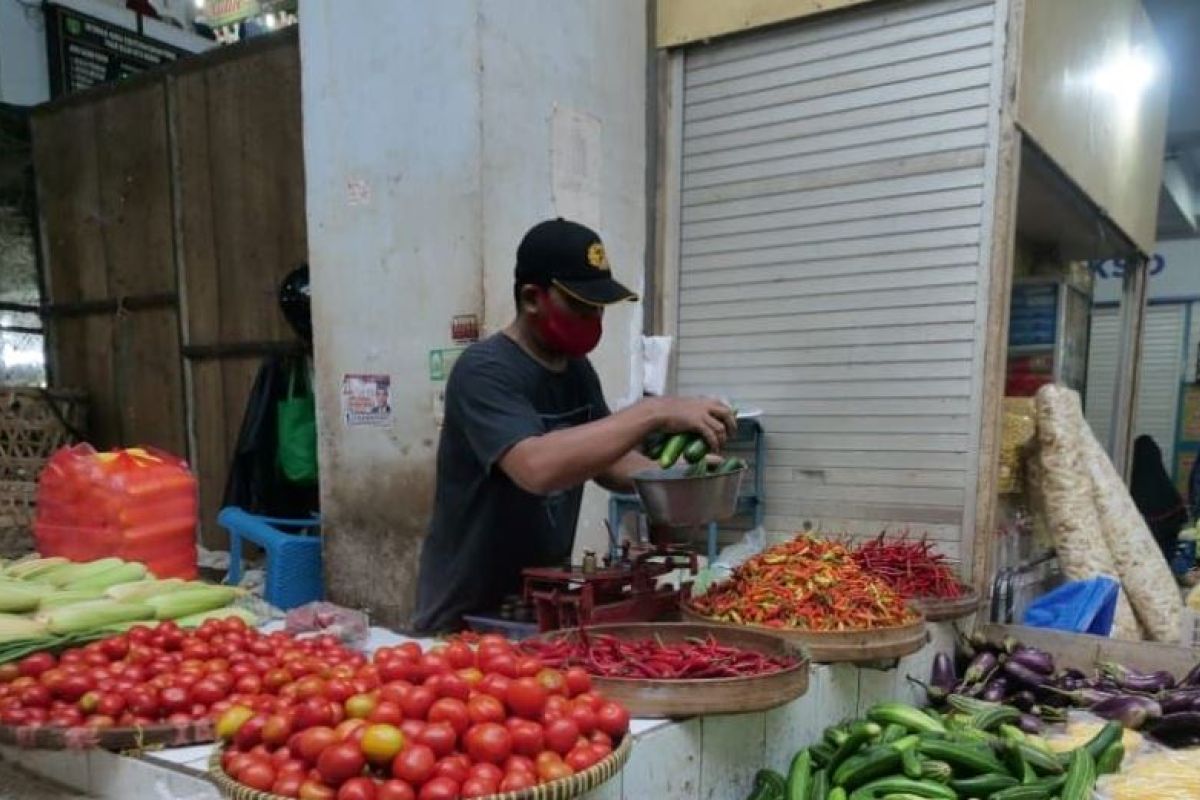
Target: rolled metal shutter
[(831, 255)]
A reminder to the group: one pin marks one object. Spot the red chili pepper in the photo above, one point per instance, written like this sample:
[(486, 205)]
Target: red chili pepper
[(913, 568)]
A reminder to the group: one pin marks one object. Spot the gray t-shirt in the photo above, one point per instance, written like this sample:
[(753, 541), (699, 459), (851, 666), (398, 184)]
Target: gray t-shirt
[(485, 528)]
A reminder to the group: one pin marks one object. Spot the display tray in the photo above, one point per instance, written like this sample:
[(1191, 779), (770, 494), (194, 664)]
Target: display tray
[(647, 698), (838, 647), (118, 739), (938, 609), (563, 789)]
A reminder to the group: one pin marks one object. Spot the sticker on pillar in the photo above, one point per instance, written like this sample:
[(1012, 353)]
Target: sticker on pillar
[(366, 399), (442, 361), (464, 328)]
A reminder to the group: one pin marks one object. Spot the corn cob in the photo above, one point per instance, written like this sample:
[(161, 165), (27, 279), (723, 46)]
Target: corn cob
[(62, 575), (19, 597), (192, 601), (15, 628), (92, 614), (137, 591), (27, 569), (121, 573), (67, 598)]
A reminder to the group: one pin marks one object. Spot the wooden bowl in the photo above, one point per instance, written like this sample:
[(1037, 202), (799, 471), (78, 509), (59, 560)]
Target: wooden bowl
[(563, 789), (938, 609), (117, 739), (838, 647), (651, 698)]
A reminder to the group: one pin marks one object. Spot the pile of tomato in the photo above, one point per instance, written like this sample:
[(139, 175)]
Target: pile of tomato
[(453, 722), (161, 674)]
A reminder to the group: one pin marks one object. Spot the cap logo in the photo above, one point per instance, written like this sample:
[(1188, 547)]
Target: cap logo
[(596, 257)]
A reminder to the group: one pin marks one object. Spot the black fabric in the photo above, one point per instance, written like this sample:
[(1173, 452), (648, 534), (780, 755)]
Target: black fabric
[(255, 483), (1156, 497), (486, 529)]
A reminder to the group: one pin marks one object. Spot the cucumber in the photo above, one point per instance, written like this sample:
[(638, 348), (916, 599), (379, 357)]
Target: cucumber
[(822, 752), (768, 785), (672, 450), (994, 717), (1111, 732), (820, 786), (938, 771), (731, 464), (1031, 791), (799, 781), (911, 718), (860, 734), (696, 450), (1042, 762), (893, 732), (835, 735), (911, 762), (961, 756), (898, 785), (868, 766), (983, 785), (837, 793), (1081, 776)]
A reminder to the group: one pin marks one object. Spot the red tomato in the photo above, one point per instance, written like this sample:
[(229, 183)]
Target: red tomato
[(340, 762), (472, 675), (488, 742), (451, 710), (518, 781), (613, 719), (174, 699), (276, 679), (578, 681), (287, 785), (454, 685), (526, 698), (315, 790), (313, 742), (277, 729), (590, 698), (315, 712), (456, 768), (440, 788), (583, 716), (387, 712), (600, 751), (503, 663), (581, 757), (412, 728), (357, 789), (515, 763), (418, 702), (528, 666), (439, 737), (395, 669), (561, 735), (555, 771), (350, 730), (488, 772), (339, 690), (600, 737), (249, 684), (478, 787), (496, 685), (394, 692), (460, 655), (433, 664), (527, 738), (415, 764), (485, 708), (34, 665), (395, 790), (552, 681), (249, 733), (257, 775)]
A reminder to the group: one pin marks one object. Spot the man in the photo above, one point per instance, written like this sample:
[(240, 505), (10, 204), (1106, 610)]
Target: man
[(526, 426)]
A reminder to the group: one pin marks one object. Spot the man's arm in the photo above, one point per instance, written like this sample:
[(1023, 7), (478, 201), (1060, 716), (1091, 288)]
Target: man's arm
[(565, 458), (619, 477)]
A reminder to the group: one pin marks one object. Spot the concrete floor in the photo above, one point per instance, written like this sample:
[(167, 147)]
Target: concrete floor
[(16, 784)]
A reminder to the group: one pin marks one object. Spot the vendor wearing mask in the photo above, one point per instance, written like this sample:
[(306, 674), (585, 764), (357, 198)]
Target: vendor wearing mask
[(526, 426)]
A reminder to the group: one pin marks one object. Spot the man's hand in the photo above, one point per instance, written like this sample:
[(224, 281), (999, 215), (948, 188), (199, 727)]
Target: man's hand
[(710, 418)]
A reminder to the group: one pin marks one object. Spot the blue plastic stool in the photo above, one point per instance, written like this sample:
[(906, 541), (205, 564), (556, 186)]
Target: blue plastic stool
[(293, 559)]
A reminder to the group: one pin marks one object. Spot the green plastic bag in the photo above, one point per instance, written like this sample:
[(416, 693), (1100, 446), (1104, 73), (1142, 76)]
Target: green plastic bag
[(296, 426)]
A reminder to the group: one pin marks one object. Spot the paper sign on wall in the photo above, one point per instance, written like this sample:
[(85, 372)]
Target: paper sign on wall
[(366, 399), (575, 166)]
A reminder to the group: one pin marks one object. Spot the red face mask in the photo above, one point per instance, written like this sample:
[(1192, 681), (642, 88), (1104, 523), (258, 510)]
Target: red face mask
[(571, 334)]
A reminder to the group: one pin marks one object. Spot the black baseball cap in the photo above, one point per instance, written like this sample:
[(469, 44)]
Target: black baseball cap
[(570, 256)]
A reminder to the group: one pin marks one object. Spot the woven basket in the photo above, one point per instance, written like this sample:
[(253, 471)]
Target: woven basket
[(564, 789), (34, 423)]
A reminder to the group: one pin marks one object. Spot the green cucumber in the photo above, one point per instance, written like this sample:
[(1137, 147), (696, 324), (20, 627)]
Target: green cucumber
[(983, 785), (696, 450), (1110, 760), (822, 752), (799, 781), (911, 718), (820, 786), (899, 785), (672, 450), (731, 464), (768, 785), (860, 734), (1081, 776), (868, 766), (837, 793), (893, 732), (961, 756), (1029, 791), (1040, 760), (938, 771), (1111, 732), (911, 763), (994, 717)]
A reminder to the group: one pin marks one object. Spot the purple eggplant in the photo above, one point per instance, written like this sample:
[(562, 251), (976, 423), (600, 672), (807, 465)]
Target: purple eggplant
[(1179, 700), (1034, 659), (1009, 644), (994, 691), (1136, 681), (1070, 673), (1021, 675), (979, 668), (1131, 711), (1084, 696), (1176, 730), (1192, 678), (1030, 724), (1023, 700), (943, 676)]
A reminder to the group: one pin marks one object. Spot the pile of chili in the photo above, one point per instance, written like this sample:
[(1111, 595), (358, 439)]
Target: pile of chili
[(691, 659), (805, 583), (913, 568)]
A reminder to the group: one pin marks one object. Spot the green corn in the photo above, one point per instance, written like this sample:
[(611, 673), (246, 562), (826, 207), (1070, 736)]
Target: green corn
[(68, 573), (92, 614), (137, 591), (192, 601), (18, 597), (121, 573), (27, 569), (16, 628), (67, 598)]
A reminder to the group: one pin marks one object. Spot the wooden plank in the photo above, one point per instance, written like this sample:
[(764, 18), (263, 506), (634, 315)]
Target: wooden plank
[(66, 161), (135, 198), (1083, 651), (979, 518)]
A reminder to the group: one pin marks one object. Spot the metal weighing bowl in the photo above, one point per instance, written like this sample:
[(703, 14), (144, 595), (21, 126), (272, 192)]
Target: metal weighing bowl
[(671, 498)]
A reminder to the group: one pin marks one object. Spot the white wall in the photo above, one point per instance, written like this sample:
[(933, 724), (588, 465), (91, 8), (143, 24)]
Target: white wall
[(24, 78), (1176, 275), (427, 132)]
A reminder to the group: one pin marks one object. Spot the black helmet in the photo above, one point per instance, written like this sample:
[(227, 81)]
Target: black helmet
[(294, 302)]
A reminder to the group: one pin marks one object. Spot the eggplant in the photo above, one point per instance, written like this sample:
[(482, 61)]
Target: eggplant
[(1192, 678), (1176, 730), (1024, 676), (943, 676), (1069, 684), (979, 668), (1136, 681), (1085, 696), (1034, 659), (994, 691), (1179, 700), (935, 695), (1009, 644), (1028, 723), (1070, 673), (1131, 711), (1022, 700)]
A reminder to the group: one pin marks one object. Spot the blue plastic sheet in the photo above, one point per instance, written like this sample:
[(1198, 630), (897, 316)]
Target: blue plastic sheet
[(1077, 607)]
